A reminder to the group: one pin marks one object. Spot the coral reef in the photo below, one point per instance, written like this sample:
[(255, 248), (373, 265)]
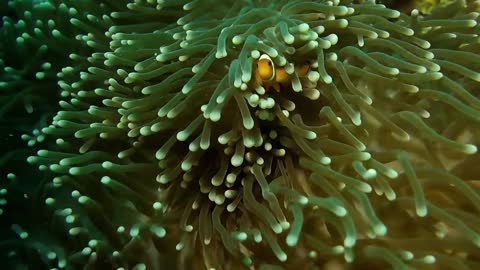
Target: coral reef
[(246, 134)]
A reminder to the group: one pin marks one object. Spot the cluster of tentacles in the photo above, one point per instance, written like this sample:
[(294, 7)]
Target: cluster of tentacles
[(166, 141)]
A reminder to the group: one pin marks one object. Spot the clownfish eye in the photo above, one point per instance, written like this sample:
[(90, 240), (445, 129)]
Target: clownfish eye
[(265, 67)]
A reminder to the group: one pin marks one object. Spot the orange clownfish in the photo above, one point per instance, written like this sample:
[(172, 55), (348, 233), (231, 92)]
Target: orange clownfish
[(270, 77)]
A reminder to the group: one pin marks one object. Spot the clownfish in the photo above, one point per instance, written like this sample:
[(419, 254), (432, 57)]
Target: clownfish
[(268, 76)]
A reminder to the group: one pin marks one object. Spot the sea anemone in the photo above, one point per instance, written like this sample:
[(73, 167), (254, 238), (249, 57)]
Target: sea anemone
[(426, 6), (261, 135)]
